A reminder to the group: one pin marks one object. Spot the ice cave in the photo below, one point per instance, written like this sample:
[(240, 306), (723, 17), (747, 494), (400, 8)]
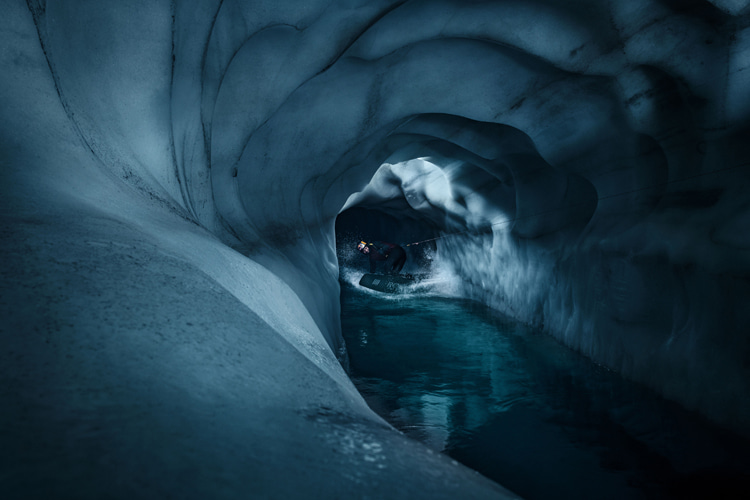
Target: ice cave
[(173, 173)]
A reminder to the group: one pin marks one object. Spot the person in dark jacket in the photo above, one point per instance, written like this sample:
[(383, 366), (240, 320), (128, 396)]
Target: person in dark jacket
[(391, 255)]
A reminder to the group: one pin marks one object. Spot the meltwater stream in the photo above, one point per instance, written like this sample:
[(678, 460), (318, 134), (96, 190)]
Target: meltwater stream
[(515, 405)]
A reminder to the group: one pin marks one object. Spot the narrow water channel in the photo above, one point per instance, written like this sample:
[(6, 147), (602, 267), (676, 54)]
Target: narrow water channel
[(523, 410)]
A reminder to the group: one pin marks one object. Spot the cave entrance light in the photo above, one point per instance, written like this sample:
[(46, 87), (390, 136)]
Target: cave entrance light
[(420, 200)]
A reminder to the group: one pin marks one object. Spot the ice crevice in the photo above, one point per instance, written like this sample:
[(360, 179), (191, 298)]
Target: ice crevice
[(172, 173)]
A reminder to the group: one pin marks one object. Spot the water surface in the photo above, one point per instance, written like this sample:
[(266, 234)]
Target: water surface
[(527, 412)]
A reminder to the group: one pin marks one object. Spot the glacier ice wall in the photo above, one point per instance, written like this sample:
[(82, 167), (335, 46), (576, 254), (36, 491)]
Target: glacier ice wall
[(171, 176)]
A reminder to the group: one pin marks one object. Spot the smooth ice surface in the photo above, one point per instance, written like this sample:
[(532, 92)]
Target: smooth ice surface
[(525, 411)]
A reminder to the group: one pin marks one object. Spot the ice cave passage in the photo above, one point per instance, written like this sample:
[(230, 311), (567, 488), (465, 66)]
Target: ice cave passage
[(172, 172)]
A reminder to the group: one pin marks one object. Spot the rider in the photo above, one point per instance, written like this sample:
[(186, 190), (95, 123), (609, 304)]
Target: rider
[(391, 254)]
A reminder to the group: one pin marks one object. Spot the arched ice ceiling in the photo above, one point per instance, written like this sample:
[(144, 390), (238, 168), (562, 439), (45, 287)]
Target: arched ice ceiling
[(299, 102), (577, 100)]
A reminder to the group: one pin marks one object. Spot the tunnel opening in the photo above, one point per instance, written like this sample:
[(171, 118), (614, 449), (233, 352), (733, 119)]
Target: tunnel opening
[(416, 237), (411, 204)]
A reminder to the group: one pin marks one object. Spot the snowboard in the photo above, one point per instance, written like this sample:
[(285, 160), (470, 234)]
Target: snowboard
[(386, 283)]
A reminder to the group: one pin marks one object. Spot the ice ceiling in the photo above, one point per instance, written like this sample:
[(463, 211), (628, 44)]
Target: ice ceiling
[(171, 176)]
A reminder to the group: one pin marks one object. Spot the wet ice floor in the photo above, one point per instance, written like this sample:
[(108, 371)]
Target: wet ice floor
[(527, 412)]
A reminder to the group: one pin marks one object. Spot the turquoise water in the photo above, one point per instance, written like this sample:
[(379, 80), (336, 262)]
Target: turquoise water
[(523, 410)]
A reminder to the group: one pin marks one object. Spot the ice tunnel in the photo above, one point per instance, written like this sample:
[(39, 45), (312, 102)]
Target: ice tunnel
[(172, 173)]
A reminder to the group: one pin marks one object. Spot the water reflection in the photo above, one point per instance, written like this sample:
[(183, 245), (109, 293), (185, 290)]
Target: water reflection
[(523, 410)]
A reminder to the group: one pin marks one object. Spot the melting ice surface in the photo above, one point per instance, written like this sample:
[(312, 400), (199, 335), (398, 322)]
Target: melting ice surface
[(523, 410)]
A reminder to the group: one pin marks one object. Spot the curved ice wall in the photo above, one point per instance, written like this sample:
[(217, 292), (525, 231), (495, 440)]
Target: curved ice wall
[(171, 176)]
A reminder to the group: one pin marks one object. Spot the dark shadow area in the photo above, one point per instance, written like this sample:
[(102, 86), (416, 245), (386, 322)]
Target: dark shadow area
[(362, 224)]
